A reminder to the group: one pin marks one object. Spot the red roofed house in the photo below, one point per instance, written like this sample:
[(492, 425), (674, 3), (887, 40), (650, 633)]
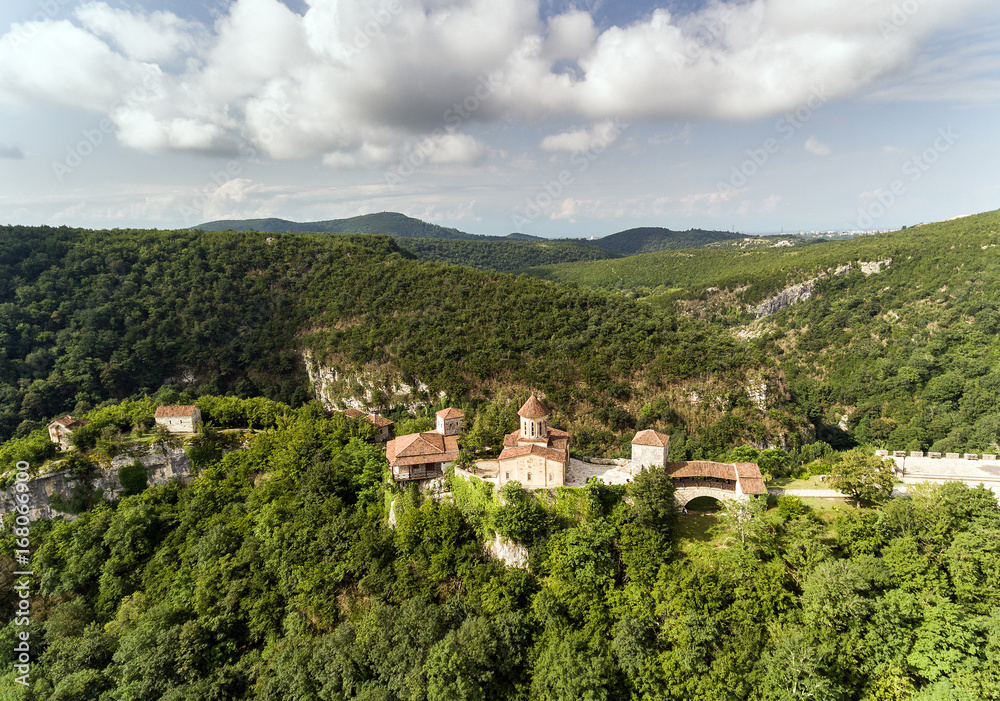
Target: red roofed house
[(62, 428), (450, 421), (419, 456), (178, 418), (535, 455), (383, 426), (650, 448)]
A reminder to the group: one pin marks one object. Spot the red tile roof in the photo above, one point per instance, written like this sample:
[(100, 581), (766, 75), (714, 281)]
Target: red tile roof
[(533, 409), (746, 473), (451, 413), (375, 419), (175, 410), (554, 436), (651, 438), (69, 422), (547, 453), (416, 448), (379, 421)]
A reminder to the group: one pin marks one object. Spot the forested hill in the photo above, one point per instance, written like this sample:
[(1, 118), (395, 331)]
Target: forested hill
[(502, 253), (391, 223), (504, 256), (653, 238), (275, 576), (903, 359), (88, 316)]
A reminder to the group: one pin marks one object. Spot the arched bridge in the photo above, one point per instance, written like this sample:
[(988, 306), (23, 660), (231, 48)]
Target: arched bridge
[(722, 481)]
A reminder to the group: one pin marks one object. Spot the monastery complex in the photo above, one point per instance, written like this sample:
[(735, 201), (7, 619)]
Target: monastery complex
[(537, 456)]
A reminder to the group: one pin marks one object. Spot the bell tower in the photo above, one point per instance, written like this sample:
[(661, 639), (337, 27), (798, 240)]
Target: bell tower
[(534, 421)]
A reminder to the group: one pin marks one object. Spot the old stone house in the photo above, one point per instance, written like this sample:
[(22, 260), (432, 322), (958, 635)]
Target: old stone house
[(178, 418), (536, 455), (650, 448), (383, 426), (61, 430), (417, 456), (450, 421)]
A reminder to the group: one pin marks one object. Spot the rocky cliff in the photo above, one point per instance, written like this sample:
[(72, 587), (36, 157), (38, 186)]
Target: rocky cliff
[(162, 465)]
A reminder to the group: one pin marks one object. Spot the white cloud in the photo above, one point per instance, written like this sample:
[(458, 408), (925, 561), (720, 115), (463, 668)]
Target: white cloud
[(354, 82), (816, 147), (599, 136), (770, 204), (158, 36)]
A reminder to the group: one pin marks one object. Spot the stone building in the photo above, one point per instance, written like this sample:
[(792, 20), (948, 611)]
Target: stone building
[(450, 421), (383, 426), (650, 448), (178, 418), (418, 456), (61, 430), (536, 455)]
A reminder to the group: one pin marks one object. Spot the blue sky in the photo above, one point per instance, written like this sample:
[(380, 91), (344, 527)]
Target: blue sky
[(549, 117)]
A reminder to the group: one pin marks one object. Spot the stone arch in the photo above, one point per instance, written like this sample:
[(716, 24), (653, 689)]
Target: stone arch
[(685, 494)]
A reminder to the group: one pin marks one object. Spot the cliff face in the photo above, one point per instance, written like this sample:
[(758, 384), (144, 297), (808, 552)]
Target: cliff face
[(366, 390), (162, 466), (803, 291), (787, 297)]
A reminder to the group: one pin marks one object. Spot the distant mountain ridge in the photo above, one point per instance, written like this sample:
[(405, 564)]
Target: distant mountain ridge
[(647, 239), (391, 223)]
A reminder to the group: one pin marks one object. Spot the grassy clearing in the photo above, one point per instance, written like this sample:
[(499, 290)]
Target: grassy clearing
[(695, 527)]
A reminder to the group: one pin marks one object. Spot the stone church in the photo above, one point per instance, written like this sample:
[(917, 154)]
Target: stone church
[(536, 455)]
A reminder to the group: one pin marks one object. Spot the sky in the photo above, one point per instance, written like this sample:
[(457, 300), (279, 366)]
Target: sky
[(548, 117)]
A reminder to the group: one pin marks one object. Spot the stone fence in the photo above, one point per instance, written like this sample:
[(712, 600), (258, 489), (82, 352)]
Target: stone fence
[(947, 456)]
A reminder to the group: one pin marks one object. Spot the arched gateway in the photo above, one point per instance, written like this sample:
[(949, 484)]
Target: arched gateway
[(722, 481)]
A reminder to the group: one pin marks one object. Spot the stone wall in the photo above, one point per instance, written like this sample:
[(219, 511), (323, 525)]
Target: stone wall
[(648, 455), (162, 466)]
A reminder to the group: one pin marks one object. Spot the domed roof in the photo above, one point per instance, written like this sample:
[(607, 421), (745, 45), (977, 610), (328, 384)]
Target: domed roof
[(534, 408)]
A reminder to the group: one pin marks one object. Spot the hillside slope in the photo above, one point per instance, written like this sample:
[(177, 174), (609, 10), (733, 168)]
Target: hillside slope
[(650, 239), (391, 223), (88, 316)]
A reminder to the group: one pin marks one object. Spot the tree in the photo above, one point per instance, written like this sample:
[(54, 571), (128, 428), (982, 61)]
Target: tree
[(795, 669), (568, 671), (653, 504), (741, 520), (133, 478), (865, 478)]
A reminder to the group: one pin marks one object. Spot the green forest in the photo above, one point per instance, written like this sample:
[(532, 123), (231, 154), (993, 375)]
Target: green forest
[(276, 574), (907, 358), (292, 567), (904, 359), (94, 316)]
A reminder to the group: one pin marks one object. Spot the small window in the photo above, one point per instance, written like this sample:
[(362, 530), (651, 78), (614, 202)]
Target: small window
[(506, 475), (529, 476), (550, 477)]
